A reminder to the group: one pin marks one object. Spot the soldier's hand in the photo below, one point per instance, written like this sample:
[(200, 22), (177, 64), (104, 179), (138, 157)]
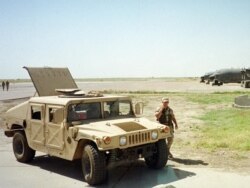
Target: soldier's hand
[(176, 126), (162, 107)]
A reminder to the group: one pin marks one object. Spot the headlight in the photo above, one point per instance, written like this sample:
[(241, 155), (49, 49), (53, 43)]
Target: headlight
[(123, 140), (154, 135)]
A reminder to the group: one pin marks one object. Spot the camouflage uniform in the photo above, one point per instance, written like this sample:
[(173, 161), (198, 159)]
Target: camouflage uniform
[(167, 119)]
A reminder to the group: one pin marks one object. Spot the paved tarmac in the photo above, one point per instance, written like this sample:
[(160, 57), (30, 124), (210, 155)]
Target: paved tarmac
[(45, 171), (21, 90)]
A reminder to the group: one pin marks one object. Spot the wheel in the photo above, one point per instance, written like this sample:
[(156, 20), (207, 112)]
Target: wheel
[(160, 157), (22, 151), (93, 165)]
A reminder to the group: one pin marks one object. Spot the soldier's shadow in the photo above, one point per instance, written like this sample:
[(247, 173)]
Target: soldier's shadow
[(125, 175), (189, 161)]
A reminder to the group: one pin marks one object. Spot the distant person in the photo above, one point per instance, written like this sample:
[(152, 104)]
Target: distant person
[(165, 115), (7, 85), (3, 85)]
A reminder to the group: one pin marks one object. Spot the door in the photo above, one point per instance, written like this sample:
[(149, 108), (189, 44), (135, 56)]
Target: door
[(36, 124), (54, 129)]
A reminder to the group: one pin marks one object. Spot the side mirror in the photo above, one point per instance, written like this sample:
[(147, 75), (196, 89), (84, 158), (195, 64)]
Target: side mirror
[(58, 116), (139, 108)]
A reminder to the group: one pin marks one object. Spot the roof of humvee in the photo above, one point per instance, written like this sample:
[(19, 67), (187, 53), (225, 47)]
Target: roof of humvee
[(63, 100)]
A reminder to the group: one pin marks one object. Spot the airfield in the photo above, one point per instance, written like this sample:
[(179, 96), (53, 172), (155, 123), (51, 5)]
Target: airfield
[(190, 85), (191, 167)]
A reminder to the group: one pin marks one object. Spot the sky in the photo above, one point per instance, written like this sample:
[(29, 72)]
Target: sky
[(124, 38)]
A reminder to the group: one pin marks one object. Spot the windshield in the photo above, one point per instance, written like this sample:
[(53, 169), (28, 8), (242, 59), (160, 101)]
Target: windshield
[(84, 111), (88, 111), (117, 108)]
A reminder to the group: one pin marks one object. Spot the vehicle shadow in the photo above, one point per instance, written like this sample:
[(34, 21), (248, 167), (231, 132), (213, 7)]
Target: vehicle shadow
[(60, 166), (125, 175), (189, 161)]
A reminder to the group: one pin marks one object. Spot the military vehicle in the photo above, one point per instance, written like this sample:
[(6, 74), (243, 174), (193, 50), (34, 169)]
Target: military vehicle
[(225, 76), (101, 130), (245, 82)]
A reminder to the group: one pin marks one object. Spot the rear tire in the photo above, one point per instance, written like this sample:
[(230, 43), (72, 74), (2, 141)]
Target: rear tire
[(21, 149), (93, 165), (160, 157)]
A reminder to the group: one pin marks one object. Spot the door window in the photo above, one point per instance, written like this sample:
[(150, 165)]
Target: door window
[(36, 112)]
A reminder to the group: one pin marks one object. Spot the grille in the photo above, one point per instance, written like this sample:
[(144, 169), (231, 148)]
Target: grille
[(139, 138)]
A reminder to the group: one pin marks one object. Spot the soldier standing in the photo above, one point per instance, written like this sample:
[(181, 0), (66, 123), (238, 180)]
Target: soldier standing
[(3, 85), (7, 85), (165, 115)]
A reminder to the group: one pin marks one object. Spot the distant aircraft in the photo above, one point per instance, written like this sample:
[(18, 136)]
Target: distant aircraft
[(245, 82), (205, 77), (226, 76)]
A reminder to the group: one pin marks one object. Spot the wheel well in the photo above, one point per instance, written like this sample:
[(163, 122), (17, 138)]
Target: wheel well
[(14, 128), (80, 146)]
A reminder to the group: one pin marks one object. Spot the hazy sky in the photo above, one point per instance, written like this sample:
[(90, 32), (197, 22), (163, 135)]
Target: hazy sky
[(124, 38)]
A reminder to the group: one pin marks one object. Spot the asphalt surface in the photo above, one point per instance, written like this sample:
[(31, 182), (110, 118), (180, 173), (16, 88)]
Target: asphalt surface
[(21, 90), (46, 171)]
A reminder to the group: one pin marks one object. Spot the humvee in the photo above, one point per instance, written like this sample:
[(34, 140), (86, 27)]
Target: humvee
[(100, 130)]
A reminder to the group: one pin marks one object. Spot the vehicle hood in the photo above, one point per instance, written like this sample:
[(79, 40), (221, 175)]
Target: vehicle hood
[(116, 127)]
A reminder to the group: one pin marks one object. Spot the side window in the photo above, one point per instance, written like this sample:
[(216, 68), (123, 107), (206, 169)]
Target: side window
[(36, 112), (55, 115), (51, 114)]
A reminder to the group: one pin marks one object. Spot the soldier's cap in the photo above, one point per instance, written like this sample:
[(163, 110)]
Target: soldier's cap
[(164, 99)]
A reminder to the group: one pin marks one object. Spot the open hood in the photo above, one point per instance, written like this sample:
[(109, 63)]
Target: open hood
[(46, 79)]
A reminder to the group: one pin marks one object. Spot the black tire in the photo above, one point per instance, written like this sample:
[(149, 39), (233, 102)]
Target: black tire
[(220, 83), (160, 158), (93, 165), (21, 149)]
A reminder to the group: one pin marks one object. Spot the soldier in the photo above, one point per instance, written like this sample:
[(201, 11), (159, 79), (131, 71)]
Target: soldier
[(165, 115), (7, 85), (3, 85)]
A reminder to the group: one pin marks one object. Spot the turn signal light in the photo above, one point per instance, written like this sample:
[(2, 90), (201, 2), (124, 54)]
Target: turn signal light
[(165, 129), (106, 140)]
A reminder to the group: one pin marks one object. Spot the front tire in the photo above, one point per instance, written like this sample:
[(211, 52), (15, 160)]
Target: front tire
[(160, 157), (93, 165), (21, 149)]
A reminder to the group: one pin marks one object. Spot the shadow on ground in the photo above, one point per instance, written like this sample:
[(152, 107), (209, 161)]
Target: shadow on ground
[(189, 161), (125, 175)]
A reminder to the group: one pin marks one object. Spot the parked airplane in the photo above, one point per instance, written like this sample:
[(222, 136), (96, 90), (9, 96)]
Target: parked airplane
[(226, 76)]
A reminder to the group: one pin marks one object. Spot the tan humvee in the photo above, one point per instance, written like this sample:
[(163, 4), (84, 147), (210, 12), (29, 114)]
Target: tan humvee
[(100, 130)]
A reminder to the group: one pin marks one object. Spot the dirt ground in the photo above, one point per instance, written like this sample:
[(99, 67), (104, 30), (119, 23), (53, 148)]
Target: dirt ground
[(186, 113)]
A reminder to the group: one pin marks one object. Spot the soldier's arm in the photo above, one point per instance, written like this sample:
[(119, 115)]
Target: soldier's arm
[(174, 120), (158, 112)]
